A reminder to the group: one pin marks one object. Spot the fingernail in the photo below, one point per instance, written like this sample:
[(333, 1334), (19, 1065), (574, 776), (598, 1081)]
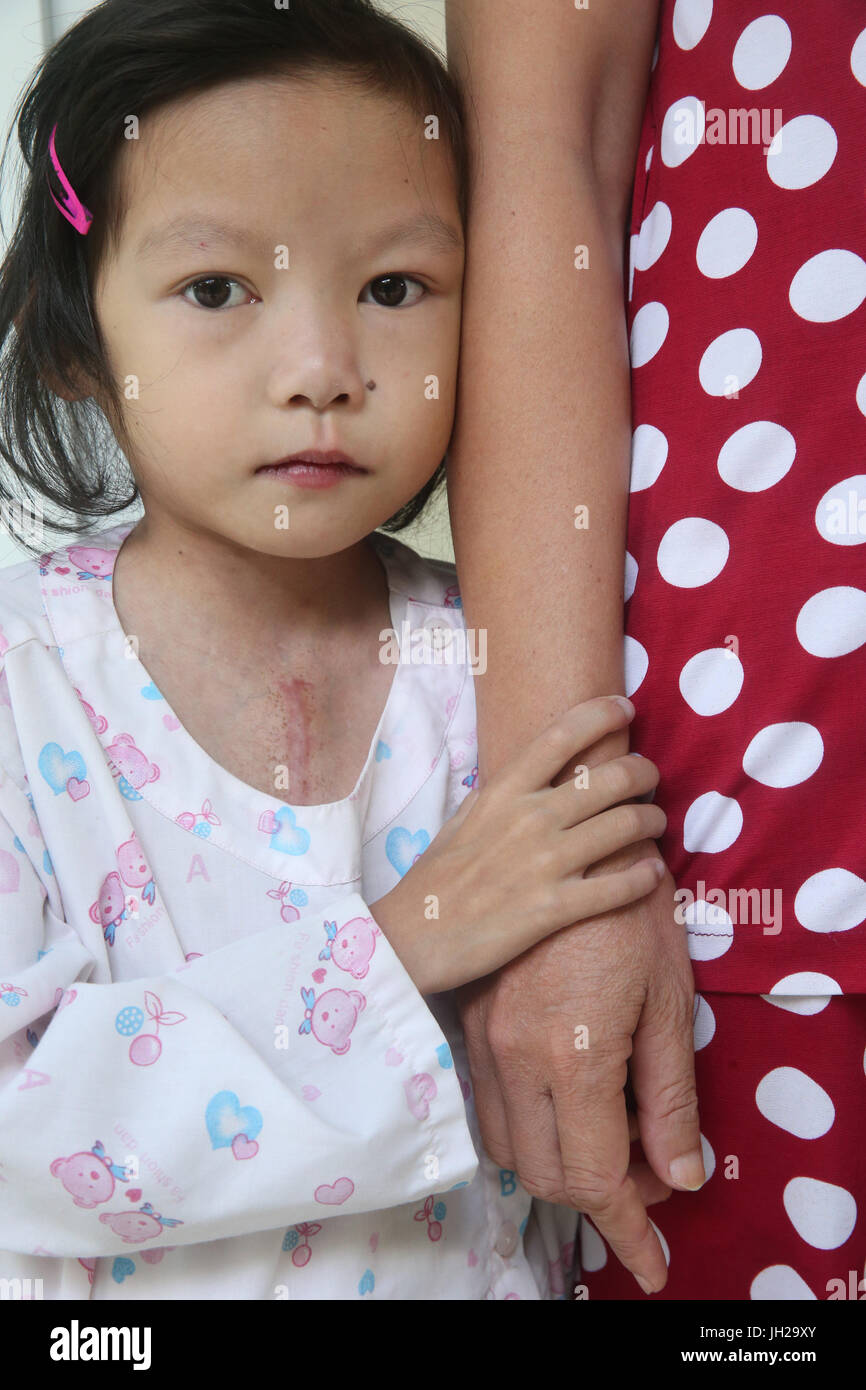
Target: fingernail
[(645, 1284), (688, 1171), (626, 704)]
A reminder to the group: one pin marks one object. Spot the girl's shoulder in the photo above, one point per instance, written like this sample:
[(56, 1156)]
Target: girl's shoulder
[(421, 578), (22, 608)]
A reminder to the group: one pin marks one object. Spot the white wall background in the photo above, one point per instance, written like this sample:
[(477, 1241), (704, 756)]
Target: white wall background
[(27, 28)]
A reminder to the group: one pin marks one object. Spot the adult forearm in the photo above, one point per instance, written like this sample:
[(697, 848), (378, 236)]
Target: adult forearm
[(538, 467)]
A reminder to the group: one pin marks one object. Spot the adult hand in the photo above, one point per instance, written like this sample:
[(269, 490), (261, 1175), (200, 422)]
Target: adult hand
[(555, 1112)]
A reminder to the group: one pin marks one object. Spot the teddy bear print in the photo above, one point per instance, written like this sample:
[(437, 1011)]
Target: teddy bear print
[(92, 562), (135, 1226), (332, 1016), (89, 1176), (352, 947), (110, 908), (130, 762)]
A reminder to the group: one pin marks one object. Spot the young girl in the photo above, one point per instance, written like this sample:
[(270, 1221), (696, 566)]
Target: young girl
[(232, 1063)]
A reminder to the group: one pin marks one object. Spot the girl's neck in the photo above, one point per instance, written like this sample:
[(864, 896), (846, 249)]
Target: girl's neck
[(200, 582)]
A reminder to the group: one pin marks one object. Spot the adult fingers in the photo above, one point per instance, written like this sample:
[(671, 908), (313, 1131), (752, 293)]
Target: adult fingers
[(663, 1078), (593, 1135), (472, 1001)]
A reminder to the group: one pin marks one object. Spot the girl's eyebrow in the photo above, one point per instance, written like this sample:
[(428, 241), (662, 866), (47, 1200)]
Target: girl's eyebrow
[(428, 229)]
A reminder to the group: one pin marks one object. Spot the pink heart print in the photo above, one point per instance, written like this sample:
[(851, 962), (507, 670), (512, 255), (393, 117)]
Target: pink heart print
[(374, 1242), (171, 722), (335, 1195), (393, 1058), (311, 1093), (58, 569), (242, 1147), (318, 975), (268, 822), (77, 789), (133, 1193)]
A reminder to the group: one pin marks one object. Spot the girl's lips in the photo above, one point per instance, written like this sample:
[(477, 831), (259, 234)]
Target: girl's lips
[(306, 474)]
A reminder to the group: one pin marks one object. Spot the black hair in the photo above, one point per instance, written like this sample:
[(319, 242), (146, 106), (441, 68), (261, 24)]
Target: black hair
[(129, 56)]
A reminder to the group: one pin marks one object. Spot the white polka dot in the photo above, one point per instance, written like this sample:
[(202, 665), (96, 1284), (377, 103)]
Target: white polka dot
[(649, 451), (654, 236), (806, 982), (787, 1097), (682, 130), (727, 242), (805, 1004), (632, 252), (593, 1251), (860, 394), (805, 992), (761, 52), (711, 680), (730, 362), (821, 1213), (833, 622), (858, 58), (779, 1281), (709, 931), (708, 1156), (692, 552), (756, 456), (841, 514), (783, 755), (631, 569), (636, 664), (649, 157), (712, 824), (829, 286), (704, 1023), (648, 331), (666, 1250), (691, 21), (832, 900), (801, 152)]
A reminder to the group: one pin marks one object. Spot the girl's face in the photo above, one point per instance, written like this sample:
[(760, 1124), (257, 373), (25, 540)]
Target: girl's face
[(292, 198)]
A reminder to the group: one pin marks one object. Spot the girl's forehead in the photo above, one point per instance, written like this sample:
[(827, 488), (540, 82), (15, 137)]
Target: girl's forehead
[(292, 142), (325, 163)]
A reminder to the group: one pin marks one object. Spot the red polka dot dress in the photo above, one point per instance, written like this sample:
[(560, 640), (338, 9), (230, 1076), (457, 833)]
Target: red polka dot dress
[(746, 623)]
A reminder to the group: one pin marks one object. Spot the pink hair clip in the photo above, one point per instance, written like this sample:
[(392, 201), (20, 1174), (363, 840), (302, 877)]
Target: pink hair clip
[(72, 207)]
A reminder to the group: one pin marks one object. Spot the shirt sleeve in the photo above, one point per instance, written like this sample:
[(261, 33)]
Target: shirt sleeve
[(288, 1077)]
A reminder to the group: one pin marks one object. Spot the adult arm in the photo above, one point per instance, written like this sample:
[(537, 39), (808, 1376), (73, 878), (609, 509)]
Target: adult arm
[(555, 98)]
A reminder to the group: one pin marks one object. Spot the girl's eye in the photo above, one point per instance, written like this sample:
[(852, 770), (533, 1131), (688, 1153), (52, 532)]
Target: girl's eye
[(210, 291), (393, 292)]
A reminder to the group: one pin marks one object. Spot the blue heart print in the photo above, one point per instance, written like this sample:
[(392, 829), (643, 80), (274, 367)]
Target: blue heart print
[(401, 847), (57, 767), (150, 692), (226, 1118), (382, 751), (367, 1282), (288, 837), (443, 1054), (121, 1269)]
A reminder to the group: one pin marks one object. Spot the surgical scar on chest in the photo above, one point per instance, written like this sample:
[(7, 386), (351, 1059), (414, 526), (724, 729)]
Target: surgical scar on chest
[(291, 709)]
